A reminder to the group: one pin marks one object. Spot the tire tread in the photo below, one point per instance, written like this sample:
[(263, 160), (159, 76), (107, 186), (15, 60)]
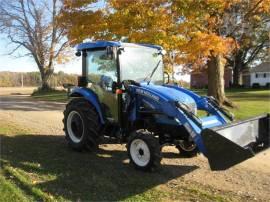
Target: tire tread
[(91, 121)]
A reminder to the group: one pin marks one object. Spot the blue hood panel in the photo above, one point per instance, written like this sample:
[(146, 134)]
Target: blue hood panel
[(169, 93)]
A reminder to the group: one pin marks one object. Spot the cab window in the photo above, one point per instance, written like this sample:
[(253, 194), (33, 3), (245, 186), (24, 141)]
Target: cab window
[(101, 69)]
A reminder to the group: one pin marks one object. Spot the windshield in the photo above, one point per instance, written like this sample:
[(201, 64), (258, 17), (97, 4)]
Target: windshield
[(138, 62)]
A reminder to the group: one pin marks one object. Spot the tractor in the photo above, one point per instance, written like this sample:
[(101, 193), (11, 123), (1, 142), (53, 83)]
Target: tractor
[(123, 94)]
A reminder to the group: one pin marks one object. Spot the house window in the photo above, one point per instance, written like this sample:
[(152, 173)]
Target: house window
[(260, 75)]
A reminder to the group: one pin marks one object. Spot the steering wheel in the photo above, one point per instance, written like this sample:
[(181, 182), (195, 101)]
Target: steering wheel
[(127, 83)]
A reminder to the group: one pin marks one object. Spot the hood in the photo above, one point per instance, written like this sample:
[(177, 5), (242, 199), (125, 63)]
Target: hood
[(169, 93)]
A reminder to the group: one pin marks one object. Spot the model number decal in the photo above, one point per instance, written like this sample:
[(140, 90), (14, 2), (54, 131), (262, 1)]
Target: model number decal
[(146, 93)]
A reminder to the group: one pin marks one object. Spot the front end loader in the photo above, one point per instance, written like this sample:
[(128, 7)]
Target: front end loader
[(124, 95)]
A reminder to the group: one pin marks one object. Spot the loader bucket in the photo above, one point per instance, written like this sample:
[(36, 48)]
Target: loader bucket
[(231, 144)]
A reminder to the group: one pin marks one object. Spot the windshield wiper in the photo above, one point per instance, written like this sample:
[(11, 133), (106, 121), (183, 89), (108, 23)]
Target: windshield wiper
[(152, 73)]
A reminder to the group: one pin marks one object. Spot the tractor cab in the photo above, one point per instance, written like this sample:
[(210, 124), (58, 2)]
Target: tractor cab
[(106, 64)]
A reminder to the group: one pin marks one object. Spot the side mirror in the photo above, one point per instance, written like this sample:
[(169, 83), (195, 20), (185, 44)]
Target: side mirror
[(166, 77), (78, 53)]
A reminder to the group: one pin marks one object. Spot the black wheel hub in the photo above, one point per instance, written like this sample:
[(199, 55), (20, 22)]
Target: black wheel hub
[(141, 152)]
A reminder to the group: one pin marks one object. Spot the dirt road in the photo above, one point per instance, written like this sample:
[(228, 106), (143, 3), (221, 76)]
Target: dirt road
[(43, 117), (249, 180)]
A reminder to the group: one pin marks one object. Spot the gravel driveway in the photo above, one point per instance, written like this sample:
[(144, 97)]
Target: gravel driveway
[(43, 117)]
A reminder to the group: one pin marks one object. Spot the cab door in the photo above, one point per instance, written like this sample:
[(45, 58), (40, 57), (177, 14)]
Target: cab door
[(101, 74)]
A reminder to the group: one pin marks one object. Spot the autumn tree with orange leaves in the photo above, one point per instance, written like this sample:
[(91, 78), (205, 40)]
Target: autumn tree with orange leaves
[(195, 30)]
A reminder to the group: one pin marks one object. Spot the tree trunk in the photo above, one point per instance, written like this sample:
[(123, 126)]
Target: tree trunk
[(237, 67), (45, 76), (216, 80), (236, 75)]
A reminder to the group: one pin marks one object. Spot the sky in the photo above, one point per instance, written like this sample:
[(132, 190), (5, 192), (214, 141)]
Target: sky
[(27, 64)]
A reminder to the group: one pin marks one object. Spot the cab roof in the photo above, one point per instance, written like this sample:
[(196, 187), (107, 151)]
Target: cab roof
[(104, 44)]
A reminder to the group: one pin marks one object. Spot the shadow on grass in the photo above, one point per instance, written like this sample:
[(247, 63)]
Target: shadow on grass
[(85, 176)]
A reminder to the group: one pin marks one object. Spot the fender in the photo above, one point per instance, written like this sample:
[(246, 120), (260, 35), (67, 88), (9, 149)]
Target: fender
[(90, 96)]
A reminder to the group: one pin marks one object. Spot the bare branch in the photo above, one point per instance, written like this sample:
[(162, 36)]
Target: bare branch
[(14, 50), (32, 25), (255, 52), (62, 47)]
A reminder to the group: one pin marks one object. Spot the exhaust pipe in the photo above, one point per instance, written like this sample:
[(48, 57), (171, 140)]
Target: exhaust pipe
[(231, 144)]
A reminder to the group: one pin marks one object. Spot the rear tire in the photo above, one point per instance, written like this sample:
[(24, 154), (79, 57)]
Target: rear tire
[(81, 125), (187, 149), (144, 151)]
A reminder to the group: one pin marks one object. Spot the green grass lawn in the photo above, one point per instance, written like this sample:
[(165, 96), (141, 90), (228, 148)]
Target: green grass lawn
[(249, 102), (52, 95)]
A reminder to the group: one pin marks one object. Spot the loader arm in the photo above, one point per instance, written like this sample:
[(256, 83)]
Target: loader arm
[(223, 142)]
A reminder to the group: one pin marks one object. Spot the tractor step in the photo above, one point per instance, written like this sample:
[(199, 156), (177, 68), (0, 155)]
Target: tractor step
[(231, 144)]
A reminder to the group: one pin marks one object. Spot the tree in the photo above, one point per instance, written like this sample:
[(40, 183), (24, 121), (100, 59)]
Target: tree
[(193, 30), (220, 22), (206, 44), (33, 26), (248, 25), (133, 21)]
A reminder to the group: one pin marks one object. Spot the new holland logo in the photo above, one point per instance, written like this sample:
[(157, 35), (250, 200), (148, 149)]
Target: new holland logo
[(147, 94)]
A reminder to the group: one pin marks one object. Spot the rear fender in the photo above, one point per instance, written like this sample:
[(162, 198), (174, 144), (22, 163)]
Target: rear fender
[(90, 96)]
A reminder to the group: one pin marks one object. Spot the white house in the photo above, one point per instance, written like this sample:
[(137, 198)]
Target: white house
[(260, 75)]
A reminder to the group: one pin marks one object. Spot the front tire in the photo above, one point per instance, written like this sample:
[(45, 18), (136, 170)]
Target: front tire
[(81, 125), (144, 151)]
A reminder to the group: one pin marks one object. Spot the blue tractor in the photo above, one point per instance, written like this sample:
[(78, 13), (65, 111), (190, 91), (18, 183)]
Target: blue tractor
[(123, 93)]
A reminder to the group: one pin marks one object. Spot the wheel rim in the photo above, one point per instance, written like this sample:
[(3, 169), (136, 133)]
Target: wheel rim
[(139, 152), (75, 126), (187, 146)]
